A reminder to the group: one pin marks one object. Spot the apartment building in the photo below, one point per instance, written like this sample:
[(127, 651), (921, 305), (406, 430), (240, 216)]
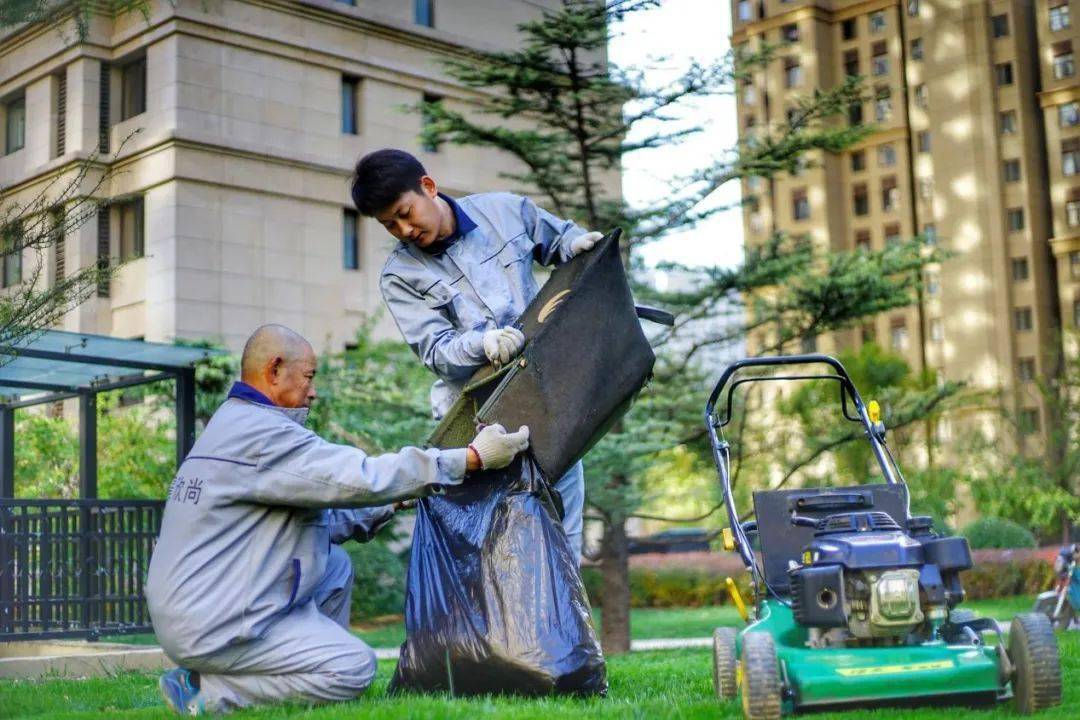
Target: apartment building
[(975, 108), (229, 129)]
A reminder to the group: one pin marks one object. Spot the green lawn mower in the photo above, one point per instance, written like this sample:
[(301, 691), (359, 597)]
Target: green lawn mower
[(855, 600)]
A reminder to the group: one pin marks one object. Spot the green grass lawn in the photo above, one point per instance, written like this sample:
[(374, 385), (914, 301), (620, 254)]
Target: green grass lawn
[(671, 684), (645, 623)]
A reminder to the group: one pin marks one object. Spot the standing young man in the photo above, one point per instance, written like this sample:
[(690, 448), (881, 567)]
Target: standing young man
[(461, 277)]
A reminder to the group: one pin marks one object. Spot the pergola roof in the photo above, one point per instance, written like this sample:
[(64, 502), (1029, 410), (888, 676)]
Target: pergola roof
[(56, 364)]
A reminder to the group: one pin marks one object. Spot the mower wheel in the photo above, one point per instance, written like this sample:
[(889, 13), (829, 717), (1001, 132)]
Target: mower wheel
[(1033, 651), (725, 663), (761, 687)]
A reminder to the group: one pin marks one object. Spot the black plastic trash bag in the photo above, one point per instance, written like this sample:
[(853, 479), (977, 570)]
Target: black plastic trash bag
[(495, 603)]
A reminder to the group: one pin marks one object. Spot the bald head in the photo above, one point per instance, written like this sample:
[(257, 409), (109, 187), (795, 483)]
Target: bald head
[(280, 363)]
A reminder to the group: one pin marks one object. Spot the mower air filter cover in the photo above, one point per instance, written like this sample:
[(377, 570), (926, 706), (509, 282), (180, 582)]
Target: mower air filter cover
[(585, 359)]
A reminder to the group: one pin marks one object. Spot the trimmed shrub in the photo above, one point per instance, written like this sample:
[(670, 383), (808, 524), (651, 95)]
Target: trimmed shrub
[(991, 532), (378, 581), (697, 579)]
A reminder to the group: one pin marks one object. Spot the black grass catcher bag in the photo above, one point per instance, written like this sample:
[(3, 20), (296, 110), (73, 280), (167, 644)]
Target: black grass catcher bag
[(495, 602)]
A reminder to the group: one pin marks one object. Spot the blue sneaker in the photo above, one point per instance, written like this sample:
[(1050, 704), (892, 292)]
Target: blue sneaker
[(179, 694)]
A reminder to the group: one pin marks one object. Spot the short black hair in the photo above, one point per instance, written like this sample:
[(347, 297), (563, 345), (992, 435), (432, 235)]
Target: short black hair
[(381, 177)]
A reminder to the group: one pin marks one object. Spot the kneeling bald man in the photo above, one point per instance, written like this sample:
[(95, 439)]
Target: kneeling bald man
[(248, 589)]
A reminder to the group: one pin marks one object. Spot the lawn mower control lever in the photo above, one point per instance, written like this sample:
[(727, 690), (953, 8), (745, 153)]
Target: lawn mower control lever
[(803, 521)]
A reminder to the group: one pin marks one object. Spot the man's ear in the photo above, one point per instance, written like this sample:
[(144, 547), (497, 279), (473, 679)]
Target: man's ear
[(427, 184), (275, 368)]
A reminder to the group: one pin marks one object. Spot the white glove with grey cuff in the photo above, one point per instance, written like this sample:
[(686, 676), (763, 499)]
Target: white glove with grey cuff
[(503, 344), (584, 243), (496, 448)]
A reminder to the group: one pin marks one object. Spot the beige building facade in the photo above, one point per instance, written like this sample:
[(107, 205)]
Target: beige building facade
[(971, 151), (229, 129)]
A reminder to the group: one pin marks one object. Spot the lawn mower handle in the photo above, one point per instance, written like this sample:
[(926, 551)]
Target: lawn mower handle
[(721, 449)]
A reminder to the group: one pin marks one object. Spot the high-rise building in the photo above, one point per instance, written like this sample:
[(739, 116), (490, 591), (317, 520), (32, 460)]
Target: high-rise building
[(969, 98), (231, 128)]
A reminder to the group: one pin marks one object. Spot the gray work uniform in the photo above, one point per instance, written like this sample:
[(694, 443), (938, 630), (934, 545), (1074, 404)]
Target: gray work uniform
[(444, 302), (244, 584)]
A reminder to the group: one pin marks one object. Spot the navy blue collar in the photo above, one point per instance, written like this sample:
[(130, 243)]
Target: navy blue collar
[(243, 391), (463, 225)]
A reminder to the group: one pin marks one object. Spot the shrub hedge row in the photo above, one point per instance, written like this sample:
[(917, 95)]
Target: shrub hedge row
[(698, 579)]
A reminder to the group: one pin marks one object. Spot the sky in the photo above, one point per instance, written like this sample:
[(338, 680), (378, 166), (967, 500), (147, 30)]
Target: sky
[(666, 39)]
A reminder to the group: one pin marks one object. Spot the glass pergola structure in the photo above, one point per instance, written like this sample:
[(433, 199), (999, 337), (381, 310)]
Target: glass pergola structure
[(58, 365)]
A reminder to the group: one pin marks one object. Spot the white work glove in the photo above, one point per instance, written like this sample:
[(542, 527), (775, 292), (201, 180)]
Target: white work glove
[(584, 243), (496, 448), (502, 344)]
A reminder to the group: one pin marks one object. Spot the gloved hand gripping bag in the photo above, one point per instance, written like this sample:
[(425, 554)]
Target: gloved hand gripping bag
[(495, 603)]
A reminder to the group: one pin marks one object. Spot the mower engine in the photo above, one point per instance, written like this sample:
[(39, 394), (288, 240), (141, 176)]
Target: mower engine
[(864, 580)]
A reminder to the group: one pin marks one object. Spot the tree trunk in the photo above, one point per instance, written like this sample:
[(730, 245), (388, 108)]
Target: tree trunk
[(615, 600)]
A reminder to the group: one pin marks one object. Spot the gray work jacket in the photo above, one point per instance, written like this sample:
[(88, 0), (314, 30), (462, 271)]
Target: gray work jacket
[(249, 521), (443, 303)]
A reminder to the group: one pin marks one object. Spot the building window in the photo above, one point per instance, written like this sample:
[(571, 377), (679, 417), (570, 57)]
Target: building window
[(1025, 369), (1007, 122), (937, 330), (1069, 114), (1074, 265), (1015, 219), (855, 114), (133, 89), (130, 214), (14, 124), (350, 240), (999, 25), (11, 247), (1063, 60), (917, 49), (926, 188), (922, 141), (1020, 270), (886, 155), (860, 199), (929, 232), (1070, 156), (790, 32), (1010, 170), (424, 12), (1072, 211), (922, 98), (898, 335), (1029, 421), (892, 235), (847, 29), (882, 105), (1059, 15), (350, 97), (851, 63), (879, 62), (913, 8), (862, 241), (58, 226), (890, 194), (877, 21), (792, 72), (749, 93), (745, 11), (800, 204), (61, 113), (858, 161), (1076, 314), (808, 344), (933, 283), (427, 118), (1003, 74), (1022, 319)]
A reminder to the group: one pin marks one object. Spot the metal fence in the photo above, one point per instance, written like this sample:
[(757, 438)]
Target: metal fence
[(75, 568)]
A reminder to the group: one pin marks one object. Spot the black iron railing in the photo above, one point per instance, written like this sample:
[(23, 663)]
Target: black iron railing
[(75, 568)]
